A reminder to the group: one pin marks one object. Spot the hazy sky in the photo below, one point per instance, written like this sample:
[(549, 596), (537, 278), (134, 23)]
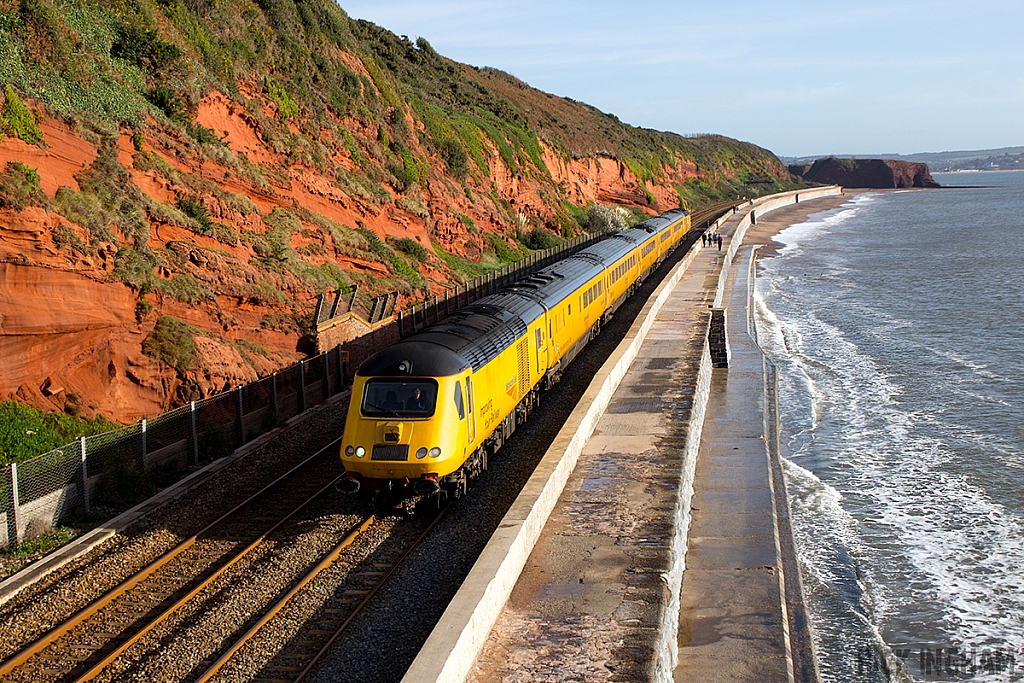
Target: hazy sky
[(797, 77)]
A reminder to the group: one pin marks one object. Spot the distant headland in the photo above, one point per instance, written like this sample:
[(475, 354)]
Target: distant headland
[(873, 173)]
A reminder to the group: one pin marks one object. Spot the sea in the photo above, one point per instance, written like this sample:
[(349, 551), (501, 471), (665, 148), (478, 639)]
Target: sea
[(896, 324)]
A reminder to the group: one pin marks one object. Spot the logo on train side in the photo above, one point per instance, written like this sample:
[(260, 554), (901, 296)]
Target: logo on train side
[(510, 386)]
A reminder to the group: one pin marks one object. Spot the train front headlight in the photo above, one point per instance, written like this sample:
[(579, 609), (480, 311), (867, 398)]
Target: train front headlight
[(435, 452), (350, 451), (360, 451), (421, 453)]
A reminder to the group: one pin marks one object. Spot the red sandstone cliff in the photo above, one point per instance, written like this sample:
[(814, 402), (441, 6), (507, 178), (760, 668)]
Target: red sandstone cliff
[(70, 331), (228, 204), (873, 173)]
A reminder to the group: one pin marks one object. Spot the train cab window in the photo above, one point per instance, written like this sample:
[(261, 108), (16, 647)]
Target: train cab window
[(459, 405), (397, 398)]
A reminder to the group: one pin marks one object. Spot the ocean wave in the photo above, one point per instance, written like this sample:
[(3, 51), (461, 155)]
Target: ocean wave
[(925, 538), (793, 237)]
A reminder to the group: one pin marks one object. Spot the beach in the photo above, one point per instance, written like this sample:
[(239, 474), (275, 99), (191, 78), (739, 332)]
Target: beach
[(776, 221)]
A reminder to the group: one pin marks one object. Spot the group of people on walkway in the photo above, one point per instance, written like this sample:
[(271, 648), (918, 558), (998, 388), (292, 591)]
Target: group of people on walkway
[(711, 240)]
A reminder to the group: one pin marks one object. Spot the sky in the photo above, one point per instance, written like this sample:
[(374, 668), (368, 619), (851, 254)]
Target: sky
[(798, 77)]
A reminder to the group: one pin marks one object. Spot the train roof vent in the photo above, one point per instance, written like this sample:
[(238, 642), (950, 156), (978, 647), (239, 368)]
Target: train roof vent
[(585, 256)]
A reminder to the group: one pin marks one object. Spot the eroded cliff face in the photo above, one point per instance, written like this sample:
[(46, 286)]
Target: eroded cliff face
[(77, 301), (872, 173)]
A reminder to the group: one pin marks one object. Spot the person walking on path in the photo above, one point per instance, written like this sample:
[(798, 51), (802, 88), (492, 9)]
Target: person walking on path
[(719, 243), (703, 240)]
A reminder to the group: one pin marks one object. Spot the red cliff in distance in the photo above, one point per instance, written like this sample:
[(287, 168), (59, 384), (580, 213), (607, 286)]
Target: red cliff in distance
[(872, 173)]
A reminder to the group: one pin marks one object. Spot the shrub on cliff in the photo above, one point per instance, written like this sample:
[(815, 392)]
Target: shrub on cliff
[(605, 218), (17, 119), (143, 48), (537, 239), (19, 187), (173, 342), (409, 246), (455, 157)]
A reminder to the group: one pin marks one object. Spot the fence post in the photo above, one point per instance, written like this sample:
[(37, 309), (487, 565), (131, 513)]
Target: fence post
[(142, 445), (83, 473), (340, 366), (327, 375), (273, 394), (13, 521), (302, 387), (193, 436), (239, 419)]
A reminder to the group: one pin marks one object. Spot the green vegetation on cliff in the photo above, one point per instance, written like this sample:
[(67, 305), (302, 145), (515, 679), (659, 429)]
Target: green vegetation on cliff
[(236, 158), (114, 64)]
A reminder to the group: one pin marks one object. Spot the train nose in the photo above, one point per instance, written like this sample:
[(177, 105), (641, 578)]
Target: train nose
[(349, 483)]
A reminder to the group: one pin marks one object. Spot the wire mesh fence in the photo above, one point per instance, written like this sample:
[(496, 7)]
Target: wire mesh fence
[(49, 489)]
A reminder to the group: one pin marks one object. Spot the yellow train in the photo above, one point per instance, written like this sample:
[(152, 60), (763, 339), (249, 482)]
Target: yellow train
[(427, 412)]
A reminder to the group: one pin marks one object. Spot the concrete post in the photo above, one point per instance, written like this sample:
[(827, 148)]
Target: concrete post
[(142, 445), (302, 387), (14, 514), (83, 474), (192, 438), (239, 419), (273, 393), (326, 376)]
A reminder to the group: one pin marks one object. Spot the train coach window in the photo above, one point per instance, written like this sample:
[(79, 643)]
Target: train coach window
[(395, 398), (459, 405)]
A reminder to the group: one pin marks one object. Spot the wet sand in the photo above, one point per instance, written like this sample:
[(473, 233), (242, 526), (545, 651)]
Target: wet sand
[(776, 221)]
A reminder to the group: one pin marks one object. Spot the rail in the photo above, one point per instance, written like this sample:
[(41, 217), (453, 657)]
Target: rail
[(303, 661), (108, 626)]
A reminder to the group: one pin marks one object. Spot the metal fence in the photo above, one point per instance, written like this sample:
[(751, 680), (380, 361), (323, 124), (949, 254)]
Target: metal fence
[(48, 489), (38, 493)]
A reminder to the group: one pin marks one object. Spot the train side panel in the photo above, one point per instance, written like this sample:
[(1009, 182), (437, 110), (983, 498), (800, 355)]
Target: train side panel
[(470, 406), (499, 386)]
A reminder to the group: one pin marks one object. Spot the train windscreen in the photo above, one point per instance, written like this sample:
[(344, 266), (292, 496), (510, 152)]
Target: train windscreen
[(397, 398)]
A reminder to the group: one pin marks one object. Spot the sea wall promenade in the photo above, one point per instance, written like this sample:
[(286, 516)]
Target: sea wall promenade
[(652, 542)]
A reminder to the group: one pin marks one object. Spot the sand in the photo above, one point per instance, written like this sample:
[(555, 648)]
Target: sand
[(774, 222)]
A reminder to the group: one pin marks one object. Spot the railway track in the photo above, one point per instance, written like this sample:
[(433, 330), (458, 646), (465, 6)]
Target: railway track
[(700, 219), (84, 645), (166, 606), (350, 593)]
